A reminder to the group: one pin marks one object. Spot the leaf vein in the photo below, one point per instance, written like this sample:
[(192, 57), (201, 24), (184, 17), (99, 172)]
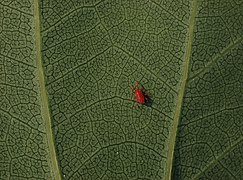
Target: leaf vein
[(137, 60), (16, 9), (175, 123), (111, 145), (217, 159), (45, 110), (173, 15), (67, 15), (214, 59)]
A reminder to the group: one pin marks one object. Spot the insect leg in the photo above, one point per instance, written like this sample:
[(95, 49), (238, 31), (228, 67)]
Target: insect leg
[(136, 84), (137, 105)]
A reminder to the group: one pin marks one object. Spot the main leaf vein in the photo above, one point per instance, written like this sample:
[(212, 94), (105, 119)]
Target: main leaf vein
[(175, 123)]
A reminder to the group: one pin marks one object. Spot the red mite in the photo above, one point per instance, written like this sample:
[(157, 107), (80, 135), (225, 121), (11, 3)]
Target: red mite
[(139, 95)]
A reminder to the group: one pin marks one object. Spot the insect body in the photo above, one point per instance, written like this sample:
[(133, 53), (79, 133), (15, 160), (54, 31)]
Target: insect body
[(139, 95)]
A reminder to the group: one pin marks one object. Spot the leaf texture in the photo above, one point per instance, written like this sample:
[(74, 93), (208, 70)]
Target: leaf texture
[(65, 73)]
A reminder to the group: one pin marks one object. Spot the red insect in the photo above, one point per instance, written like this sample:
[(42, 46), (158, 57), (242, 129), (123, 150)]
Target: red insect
[(139, 95)]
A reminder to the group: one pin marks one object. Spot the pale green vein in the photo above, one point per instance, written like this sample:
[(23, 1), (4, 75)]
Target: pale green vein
[(231, 46), (216, 160), (173, 130), (45, 111)]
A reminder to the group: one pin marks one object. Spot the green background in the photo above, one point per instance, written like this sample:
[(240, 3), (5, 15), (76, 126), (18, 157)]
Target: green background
[(65, 73)]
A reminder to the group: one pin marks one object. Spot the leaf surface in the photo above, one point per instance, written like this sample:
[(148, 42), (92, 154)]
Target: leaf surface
[(65, 73)]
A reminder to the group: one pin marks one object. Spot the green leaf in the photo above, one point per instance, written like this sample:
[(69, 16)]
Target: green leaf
[(65, 73)]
